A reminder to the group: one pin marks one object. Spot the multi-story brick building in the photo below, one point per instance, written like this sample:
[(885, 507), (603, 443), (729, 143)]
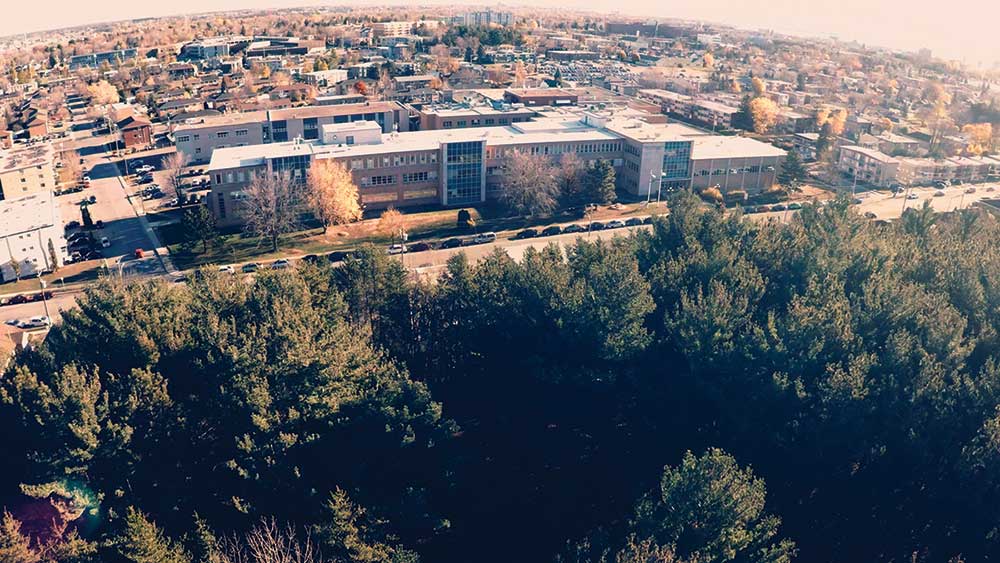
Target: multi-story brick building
[(453, 167), (197, 140)]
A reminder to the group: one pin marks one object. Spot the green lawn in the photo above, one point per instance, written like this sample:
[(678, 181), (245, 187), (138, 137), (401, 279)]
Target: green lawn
[(434, 224), (74, 274)]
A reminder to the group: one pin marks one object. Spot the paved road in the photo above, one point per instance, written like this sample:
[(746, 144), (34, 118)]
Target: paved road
[(58, 303), (887, 206)]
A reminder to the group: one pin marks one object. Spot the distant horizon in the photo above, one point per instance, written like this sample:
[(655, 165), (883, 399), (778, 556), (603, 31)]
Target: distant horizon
[(969, 38)]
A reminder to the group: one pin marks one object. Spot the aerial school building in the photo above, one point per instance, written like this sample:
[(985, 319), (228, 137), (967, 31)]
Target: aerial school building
[(456, 167)]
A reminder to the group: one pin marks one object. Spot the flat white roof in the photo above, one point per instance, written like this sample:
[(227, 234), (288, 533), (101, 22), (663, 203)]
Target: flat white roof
[(717, 147), (21, 157), (24, 214)]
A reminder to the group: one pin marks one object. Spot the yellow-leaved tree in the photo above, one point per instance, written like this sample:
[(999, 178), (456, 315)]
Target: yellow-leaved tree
[(332, 194), (764, 113)]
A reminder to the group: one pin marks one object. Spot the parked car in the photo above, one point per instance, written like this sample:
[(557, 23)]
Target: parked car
[(72, 225), (970, 190), (86, 180), (870, 215), (939, 193), (778, 207), (633, 222), (250, 267), (143, 169), (419, 247), (614, 224), (227, 269), (397, 249), (281, 264), (574, 228), (749, 209), (105, 243), (483, 238), (337, 255), (913, 196), (552, 231), (794, 206), (138, 253), (311, 258), (451, 243), (596, 226), (99, 224), (526, 233), (36, 322), (92, 199)]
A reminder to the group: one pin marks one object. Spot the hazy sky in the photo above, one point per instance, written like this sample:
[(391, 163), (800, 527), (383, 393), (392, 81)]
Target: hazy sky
[(965, 29)]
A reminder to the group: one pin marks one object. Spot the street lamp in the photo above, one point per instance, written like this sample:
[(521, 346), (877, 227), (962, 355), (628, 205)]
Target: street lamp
[(45, 303)]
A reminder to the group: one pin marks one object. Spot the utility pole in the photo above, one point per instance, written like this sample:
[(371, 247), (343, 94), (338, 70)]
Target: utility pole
[(45, 302)]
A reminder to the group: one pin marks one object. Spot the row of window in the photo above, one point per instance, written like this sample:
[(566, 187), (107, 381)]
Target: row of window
[(418, 177), (742, 170), (384, 180), (584, 148), (448, 124), (372, 163)]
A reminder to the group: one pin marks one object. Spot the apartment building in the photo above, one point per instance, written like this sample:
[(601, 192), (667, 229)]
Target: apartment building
[(381, 29), (97, 59), (927, 171), (198, 139), (713, 113), (324, 78), (27, 170), (484, 18), (868, 165), (28, 227), (451, 167)]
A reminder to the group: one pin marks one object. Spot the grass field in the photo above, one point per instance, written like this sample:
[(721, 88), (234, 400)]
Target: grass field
[(420, 226)]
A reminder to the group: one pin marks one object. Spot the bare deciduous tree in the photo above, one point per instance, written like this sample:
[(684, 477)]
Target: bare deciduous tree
[(332, 195), (71, 169), (173, 166), (529, 184), (270, 207), (269, 543)]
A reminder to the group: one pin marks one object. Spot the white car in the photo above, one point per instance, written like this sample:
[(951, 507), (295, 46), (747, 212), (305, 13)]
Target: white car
[(105, 242), (484, 238), (227, 269), (86, 179), (143, 169), (36, 322), (397, 249), (280, 264), (614, 224)]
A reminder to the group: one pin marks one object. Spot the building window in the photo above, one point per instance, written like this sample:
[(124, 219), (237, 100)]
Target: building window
[(183, 138), (222, 205), (241, 132), (385, 180), (222, 134)]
